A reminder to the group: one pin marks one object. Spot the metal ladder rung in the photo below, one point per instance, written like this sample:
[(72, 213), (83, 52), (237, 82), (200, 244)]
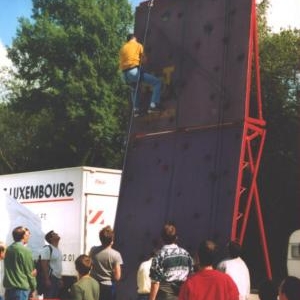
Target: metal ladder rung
[(242, 190), (245, 164)]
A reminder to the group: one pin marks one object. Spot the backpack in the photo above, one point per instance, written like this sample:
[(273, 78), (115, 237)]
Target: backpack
[(39, 273)]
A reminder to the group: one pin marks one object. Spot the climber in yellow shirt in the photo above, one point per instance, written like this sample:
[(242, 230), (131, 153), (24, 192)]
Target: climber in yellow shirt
[(131, 58)]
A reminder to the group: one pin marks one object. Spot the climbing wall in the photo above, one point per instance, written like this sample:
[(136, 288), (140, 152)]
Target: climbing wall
[(182, 163), (200, 50)]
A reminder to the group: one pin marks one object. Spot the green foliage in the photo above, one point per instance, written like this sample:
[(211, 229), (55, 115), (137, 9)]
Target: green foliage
[(262, 25), (20, 138), (68, 83), (280, 60), (280, 169)]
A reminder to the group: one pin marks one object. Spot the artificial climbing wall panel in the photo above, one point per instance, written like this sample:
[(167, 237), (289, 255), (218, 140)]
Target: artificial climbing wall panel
[(182, 164), (188, 178), (200, 50)]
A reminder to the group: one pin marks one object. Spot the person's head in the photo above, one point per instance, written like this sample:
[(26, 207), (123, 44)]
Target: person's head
[(289, 288), (52, 237), (2, 250), (21, 234), (234, 249), (130, 36), (207, 253), (168, 234), (26, 236), (267, 291), (106, 236), (83, 264)]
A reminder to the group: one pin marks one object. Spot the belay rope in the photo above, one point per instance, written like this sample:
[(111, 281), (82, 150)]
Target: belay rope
[(136, 88), (150, 5)]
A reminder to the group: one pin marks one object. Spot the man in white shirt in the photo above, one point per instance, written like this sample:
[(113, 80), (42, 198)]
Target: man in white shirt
[(144, 280), (51, 262), (237, 269)]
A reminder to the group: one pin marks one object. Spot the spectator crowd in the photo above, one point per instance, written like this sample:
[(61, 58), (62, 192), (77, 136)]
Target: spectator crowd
[(169, 273)]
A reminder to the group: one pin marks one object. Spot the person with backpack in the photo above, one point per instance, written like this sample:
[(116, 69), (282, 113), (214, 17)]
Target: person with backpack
[(51, 267)]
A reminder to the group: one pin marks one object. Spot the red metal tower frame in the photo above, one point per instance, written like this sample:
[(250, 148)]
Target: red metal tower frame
[(254, 133)]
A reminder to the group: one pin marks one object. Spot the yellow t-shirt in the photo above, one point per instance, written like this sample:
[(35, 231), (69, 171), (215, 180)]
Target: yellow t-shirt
[(130, 55)]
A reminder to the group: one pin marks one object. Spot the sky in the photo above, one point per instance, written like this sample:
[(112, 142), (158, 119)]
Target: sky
[(282, 14), (11, 10)]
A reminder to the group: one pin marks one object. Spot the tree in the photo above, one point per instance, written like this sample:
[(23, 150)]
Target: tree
[(69, 85), (280, 169), (261, 16)]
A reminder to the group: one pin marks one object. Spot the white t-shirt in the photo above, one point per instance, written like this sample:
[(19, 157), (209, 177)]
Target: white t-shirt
[(143, 277), (238, 271), (55, 259)]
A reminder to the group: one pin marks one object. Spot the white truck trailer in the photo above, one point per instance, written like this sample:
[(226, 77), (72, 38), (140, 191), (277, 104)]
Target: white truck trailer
[(75, 202)]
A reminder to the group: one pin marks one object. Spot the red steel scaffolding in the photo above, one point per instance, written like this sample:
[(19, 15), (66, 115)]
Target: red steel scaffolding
[(254, 133)]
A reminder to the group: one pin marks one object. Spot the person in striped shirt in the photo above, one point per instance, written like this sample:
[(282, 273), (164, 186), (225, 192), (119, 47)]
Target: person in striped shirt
[(170, 267)]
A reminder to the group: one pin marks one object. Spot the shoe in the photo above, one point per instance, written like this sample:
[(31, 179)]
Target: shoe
[(137, 112), (156, 108)]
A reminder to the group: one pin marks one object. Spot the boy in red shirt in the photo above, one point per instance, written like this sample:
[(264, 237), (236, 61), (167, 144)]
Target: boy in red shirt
[(207, 283)]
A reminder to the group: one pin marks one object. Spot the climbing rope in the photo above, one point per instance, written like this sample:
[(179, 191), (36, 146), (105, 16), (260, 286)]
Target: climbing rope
[(137, 85)]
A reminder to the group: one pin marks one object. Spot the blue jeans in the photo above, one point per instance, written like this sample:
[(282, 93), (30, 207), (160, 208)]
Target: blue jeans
[(107, 292), (143, 296), (135, 74), (16, 294), (54, 289)]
